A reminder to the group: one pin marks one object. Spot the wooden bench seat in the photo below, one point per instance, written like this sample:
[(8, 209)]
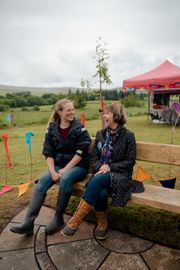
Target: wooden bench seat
[(153, 196)]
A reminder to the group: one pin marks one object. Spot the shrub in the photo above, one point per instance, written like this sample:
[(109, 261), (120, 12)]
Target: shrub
[(24, 109), (36, 108), (4, 108), (132, 101)]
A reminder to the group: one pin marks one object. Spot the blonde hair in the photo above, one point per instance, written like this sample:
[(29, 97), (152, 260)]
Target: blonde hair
[(59, 106), (118, 113)]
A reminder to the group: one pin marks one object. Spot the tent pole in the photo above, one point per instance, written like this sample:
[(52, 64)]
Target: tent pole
[(148, 107)]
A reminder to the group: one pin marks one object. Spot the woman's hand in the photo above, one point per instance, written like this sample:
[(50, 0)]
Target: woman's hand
[(61, 171), (103, 169), (55, 176)]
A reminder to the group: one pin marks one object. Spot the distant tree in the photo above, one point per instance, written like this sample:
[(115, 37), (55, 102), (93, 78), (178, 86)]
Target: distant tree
[(4, 108)]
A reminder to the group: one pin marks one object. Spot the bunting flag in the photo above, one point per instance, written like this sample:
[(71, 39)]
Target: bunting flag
[(82, 118), (28, 137), (23, 189), (5, 189), (9, 119), (5, 138), (168, 183), (142, 175), (102, 104)]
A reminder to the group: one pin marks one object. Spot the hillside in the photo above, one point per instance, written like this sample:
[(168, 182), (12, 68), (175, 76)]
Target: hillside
[(36, 90)]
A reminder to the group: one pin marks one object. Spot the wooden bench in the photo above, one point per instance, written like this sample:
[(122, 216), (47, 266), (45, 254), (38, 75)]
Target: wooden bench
[(153, 196)]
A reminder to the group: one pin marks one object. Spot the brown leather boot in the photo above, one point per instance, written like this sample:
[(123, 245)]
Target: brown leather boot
[(82, 210), (101, 229)]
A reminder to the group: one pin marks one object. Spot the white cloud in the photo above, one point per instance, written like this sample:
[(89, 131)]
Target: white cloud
[(51, 43)]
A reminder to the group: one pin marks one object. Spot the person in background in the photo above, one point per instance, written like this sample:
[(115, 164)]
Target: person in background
[(66, 151), (113, 159)]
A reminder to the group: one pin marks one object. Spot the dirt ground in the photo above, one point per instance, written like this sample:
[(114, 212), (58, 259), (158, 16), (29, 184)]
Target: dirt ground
[(11, 207)]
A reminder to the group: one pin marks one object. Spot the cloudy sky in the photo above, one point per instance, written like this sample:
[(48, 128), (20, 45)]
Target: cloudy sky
[(52, 42)]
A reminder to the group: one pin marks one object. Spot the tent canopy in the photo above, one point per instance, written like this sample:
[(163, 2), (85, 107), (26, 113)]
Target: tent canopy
[(167, 75)]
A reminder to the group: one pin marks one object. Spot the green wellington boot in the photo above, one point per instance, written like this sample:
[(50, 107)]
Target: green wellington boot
[(58, 221), (27, 226)]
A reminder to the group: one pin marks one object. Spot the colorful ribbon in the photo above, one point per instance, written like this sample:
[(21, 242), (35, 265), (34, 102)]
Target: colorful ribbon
[(5, 138), (28, 137), (82, 118)]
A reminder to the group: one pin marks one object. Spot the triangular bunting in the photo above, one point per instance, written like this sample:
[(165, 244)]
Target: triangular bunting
[(23, 189), (142, 175), (168, 183), (5, 189)]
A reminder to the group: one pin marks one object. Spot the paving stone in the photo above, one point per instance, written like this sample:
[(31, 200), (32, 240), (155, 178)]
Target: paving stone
[(44, 262), (18, 260), (116, 261), (81, 255), (45, 216), (40, 241), (85, 231), (160, 257), (125, 243), (10, 241)]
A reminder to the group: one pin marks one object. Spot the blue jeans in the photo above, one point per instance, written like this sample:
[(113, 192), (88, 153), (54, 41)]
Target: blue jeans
[(66, 182), (97, 191)]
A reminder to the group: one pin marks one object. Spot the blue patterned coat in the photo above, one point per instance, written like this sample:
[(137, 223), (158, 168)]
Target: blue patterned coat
[(123, 161)]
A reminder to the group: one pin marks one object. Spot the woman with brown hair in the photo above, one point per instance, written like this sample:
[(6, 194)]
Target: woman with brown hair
[(65, 148), (113, 159)]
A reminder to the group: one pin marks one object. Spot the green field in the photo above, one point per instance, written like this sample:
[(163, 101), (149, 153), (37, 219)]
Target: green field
[(22, 169)]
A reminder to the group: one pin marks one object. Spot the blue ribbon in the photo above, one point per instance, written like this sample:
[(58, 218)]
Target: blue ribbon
[(9, 119), (28, 137)]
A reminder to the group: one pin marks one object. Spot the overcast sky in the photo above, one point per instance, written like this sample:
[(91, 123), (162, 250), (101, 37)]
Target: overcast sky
[(52, 42)]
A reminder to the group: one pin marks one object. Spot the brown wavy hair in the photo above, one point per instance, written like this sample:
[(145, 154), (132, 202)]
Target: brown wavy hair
[(118, 113), (59, 106)]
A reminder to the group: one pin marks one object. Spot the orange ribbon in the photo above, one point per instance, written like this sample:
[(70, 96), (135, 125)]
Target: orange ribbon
[(5, 138), (82, 118), (102, 104)]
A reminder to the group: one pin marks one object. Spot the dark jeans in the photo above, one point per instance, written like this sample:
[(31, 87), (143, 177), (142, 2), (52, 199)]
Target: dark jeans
[(96, 193), (67, 180)]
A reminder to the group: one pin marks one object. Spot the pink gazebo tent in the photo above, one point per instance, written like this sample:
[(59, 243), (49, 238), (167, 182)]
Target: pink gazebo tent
[(167, 76), (162, 82)]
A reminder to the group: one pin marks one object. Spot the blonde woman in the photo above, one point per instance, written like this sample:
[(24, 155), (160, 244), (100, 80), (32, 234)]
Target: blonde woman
[(65, 148)]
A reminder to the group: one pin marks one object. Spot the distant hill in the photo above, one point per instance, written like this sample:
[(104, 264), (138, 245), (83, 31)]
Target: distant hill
[(35, 90), (41, 90)]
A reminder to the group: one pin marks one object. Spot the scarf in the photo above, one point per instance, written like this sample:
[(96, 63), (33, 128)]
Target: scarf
[(106, 151)]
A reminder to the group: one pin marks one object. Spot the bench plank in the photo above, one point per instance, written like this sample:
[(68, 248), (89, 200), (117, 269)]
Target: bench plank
[(158, 197), (159, 153)]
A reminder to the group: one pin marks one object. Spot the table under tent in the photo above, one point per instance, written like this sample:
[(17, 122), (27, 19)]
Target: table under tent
[(163, 84)]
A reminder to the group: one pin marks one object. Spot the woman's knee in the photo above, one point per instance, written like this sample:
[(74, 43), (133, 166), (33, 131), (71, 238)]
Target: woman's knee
[(66, 184), (44, 182), (100, 179)]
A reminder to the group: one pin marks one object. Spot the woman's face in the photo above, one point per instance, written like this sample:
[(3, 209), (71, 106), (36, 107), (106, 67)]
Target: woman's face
[(67, 114), (108, 119)]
